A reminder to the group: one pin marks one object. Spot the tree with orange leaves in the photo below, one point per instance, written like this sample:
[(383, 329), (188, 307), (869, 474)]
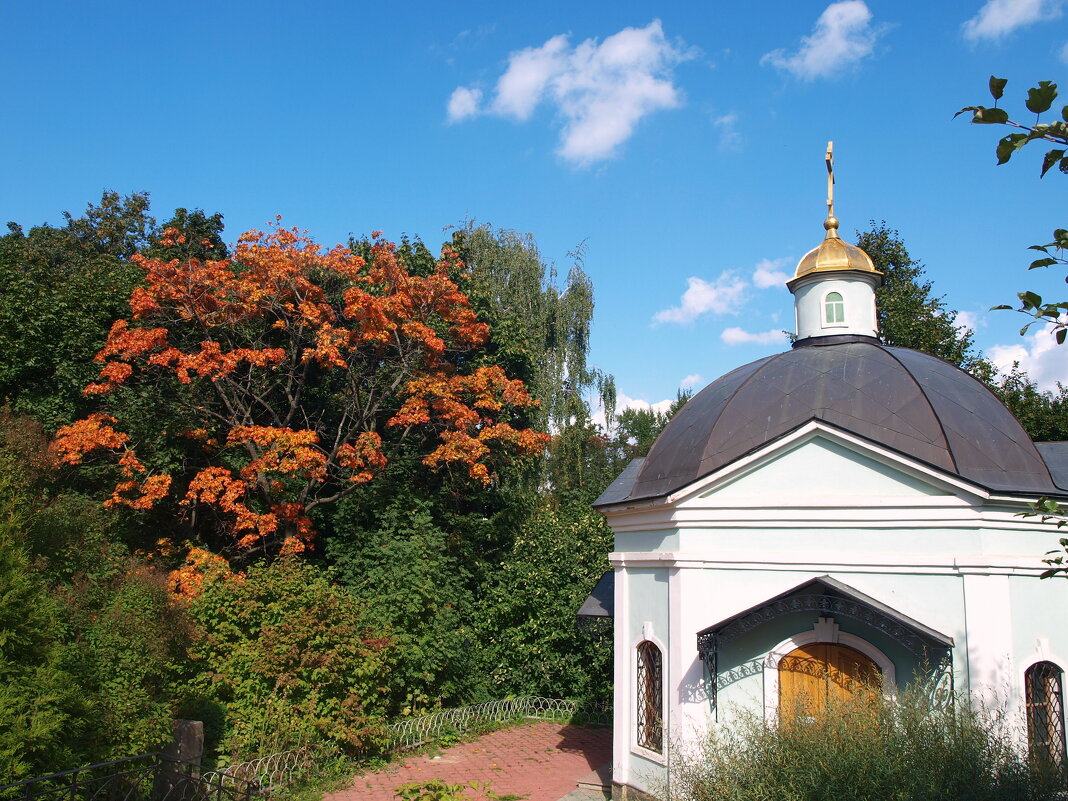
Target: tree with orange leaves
[(297, 373)]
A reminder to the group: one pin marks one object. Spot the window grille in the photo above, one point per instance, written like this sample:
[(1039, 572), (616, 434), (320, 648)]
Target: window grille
[(1045, 713), (834, 308), (650, 697)]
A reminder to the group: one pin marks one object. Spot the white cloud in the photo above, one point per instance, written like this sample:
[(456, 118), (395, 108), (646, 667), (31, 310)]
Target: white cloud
[(601, 91), (463, 103), (739, 336), (529, 72), (691, 381), (999, 18), (729, 136), (843, 36), (767, 274), (1040, 356), (966, 320), (721, 296), (1064, 54)]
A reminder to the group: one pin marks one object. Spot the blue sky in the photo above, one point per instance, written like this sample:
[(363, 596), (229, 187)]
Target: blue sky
[(682, 143)]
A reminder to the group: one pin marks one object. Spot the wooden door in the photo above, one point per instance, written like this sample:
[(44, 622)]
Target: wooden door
[(812, 675)]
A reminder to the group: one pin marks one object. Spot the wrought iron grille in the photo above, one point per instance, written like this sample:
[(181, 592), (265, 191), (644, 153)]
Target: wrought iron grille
[(1045, 714), (650, 697)]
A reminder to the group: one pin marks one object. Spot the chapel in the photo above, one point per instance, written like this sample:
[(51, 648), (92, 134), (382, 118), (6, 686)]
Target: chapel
[(845, 509)]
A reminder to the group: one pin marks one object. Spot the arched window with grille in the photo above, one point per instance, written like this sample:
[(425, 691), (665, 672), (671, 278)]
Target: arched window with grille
[(834, 309), (1043, 688), (650, 683)]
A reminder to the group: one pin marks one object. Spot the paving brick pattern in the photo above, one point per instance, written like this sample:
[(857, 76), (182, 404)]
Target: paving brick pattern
[(540, 762)]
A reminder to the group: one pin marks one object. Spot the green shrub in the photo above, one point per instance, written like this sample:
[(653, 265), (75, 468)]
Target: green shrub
[(291, 659), (865, 749), (414, 582), (532, 643), (130, 645)]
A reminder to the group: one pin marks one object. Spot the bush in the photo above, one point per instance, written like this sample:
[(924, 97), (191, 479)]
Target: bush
[(291, 659), (864, 749)]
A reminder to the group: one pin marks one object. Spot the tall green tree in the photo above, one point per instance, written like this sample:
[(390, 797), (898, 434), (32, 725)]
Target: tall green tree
[(43, 713), (539, 329), (911, 315), (527, 626), (60, 290)]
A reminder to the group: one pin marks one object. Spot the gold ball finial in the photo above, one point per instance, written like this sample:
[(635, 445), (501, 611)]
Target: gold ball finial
[(831, 224)]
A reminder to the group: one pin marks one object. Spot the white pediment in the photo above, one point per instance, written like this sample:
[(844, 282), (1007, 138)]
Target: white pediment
[(818, 467)]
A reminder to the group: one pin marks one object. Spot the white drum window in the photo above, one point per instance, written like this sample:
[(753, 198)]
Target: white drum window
[(833, 309)]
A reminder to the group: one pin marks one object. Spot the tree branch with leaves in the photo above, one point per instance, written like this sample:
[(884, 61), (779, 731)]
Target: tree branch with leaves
[(1039, 100)]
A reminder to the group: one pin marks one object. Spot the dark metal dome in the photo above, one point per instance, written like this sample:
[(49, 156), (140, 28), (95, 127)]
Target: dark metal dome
[(914, 403)]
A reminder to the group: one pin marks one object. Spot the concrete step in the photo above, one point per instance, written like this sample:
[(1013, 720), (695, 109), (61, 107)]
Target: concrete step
[(600, 779)]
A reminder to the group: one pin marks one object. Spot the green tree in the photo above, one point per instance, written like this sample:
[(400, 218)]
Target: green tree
[(42, 710), (417, 581), (539, 330), (1039, 100)]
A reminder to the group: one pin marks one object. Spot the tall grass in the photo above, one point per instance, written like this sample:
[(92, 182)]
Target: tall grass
[(867, 748)]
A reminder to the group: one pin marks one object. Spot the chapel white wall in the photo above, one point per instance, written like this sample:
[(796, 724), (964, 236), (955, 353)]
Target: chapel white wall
[(965, 566)]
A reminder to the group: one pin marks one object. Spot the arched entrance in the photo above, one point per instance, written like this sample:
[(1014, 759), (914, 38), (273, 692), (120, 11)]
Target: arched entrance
[(813, 675)]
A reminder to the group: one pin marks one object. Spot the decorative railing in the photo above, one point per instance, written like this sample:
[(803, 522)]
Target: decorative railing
[(412, 732), (264, 775)]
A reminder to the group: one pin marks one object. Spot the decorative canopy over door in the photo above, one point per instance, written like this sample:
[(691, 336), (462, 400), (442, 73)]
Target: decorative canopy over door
[(826, 597)]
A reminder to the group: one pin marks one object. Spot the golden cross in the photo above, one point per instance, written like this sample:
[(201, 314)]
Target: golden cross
[(830, 179)]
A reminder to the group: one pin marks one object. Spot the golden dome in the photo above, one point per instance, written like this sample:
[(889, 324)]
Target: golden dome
[(834, 254)]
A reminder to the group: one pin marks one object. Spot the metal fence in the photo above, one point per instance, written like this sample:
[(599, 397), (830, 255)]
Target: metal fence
[(129, 779), (154, 777), (264, 775), (412, 732), (151, 777)]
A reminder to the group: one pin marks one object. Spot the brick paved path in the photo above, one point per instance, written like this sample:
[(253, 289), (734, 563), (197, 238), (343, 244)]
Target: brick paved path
[(540, 761)]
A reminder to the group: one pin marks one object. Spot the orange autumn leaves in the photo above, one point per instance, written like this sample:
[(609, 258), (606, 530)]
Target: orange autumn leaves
[(254, 336)]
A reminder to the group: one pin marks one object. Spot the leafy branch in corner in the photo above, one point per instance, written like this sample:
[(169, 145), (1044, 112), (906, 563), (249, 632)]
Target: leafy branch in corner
[(1039, 100), (1047, 510)]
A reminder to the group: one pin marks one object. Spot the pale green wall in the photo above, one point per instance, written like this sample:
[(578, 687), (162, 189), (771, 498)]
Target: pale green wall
[(649, 602), (647, 541), (1032, 602), (821, 466)]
